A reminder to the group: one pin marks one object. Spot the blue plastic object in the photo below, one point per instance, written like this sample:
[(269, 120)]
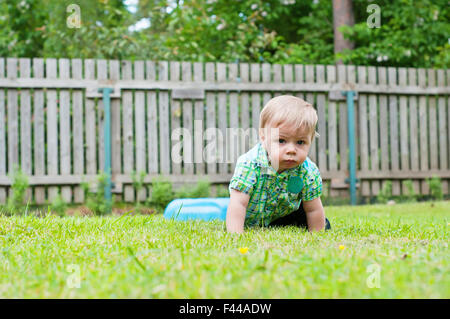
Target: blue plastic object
[(197, 208)]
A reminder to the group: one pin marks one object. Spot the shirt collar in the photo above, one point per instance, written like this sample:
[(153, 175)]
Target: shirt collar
[(263, 161)]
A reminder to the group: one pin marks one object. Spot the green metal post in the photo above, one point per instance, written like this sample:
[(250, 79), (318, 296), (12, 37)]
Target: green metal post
[(351, 143), (107, 141)]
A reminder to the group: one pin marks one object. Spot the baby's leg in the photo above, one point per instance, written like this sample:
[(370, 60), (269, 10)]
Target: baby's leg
[(296, 218)]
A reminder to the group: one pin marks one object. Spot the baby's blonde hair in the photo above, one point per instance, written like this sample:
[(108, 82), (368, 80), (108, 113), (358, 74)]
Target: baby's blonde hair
[(289, 110)]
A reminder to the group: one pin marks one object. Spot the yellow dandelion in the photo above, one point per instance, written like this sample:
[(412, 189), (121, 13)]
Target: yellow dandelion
[(243, 250), (341, 247)]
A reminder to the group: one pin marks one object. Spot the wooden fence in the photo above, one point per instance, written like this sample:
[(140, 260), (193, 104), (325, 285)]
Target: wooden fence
[(51, 122)]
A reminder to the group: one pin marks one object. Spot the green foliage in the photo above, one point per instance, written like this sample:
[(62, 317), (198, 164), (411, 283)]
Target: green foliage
[(413, 33), (385, 193), (222, 191), (435, 186), (138, 183), (162, 193), (96, 201), (410, 195), (19, 186), (58, 205), (201, 190)]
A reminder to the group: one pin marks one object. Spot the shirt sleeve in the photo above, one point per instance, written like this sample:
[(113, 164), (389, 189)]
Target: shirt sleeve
[(244, 177), (313, 183)]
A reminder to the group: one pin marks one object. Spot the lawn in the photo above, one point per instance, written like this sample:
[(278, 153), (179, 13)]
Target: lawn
[(375, 251)]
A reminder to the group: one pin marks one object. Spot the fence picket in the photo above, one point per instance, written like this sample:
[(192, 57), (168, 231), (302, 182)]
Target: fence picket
[(128, 137), (443, 139), (413, 131), (25, 125), (393, 124), (199, 119), (222, 119), (211, 147), (363, 132), (423, 129), (65, 129), (140, 132), (373, 130), (2, 133), (78, 129)]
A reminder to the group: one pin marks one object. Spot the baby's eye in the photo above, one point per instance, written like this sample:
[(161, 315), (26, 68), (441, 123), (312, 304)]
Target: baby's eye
[(281, 140), (301, 142)]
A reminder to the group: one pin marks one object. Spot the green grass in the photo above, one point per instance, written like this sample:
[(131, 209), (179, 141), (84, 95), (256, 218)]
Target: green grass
[(150, 257)]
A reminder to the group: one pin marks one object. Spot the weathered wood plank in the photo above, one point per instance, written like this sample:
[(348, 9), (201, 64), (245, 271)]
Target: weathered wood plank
[(152, 121), (343, 129), (423, 132), (413, 130), (363, 135), (175, 119), (52, 129), (266, 78), (13, 119), (78, 129), (65, 155), (164, 115), (321, 125), (373, 131), (25, 126), (128, 136), (211, 138), (91, 123), (394, 134), (233, 139), (383, 124), (102, 74), (443, 142), (310, 99), (188, 156), (140, 132), (39, 129), (245, 108), (222, 119), (332, 128), (3, 193), (432, 122)]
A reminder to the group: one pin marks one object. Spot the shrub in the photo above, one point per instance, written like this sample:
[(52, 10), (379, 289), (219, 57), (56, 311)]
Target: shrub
[(138, 183), (410, 195), (19, 186), (222, 191), (435, 186), (202, 189), (96, 201), (162, 193), (385, 193), (58, 205)]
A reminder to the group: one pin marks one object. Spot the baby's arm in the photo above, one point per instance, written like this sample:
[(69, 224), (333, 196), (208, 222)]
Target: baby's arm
[(315, 215), (236, 211)]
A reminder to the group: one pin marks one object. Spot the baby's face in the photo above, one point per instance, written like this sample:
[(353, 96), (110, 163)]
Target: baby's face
[(286, 146)]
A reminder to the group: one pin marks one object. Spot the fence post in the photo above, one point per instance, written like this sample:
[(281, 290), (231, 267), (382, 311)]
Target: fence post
[(351, 144), (107, 141)]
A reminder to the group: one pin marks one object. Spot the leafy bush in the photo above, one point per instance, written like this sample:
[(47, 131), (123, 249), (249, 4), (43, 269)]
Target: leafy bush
[(385, 193), (435, 186), (58, 205), (19, 186), (138, 183), (222, 191), (411, 195), (96, 201), (202, 189), (162, 193)]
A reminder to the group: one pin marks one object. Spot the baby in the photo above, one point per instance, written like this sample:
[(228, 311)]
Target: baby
[(275, 183)]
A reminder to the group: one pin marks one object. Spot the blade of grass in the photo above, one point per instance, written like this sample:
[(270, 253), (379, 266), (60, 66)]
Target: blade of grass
[(131, 253), (123, 215)]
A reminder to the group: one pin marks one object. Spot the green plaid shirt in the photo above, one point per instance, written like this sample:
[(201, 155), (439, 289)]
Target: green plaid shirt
[(273, 195)]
